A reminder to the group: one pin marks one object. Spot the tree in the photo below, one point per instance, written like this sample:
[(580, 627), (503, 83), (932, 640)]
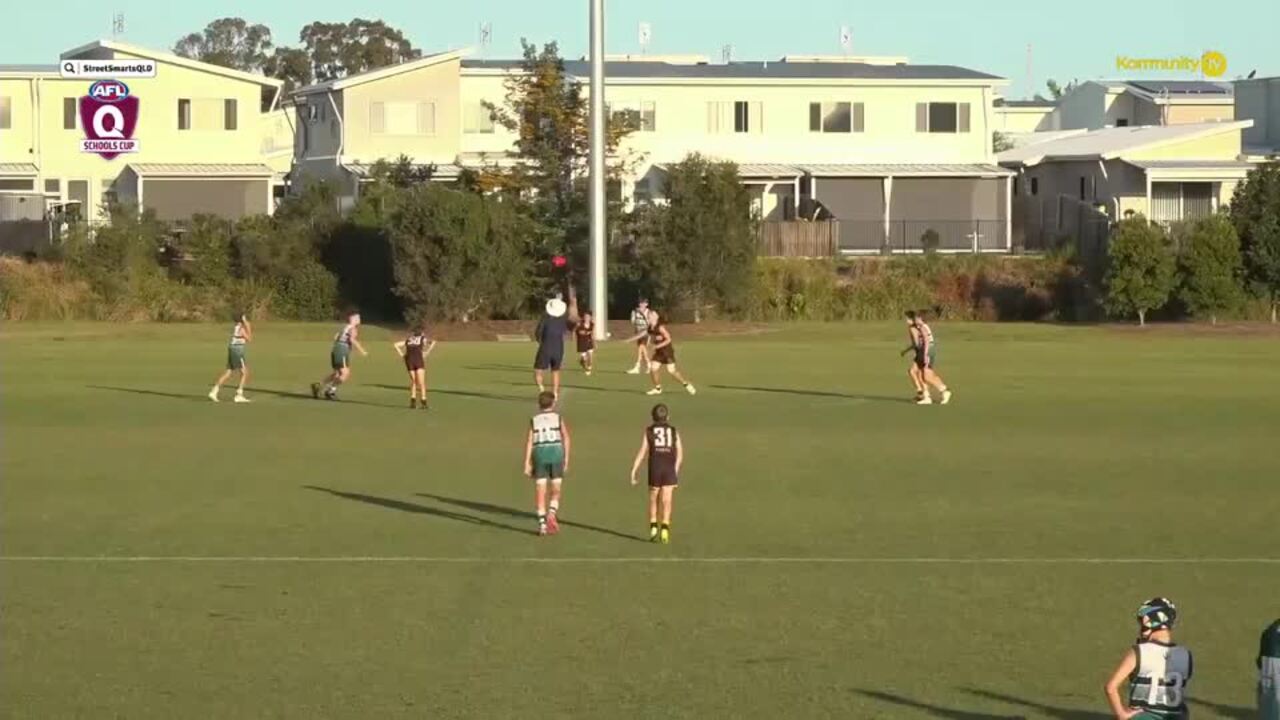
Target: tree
[(229, 42), (1140, 268), (292, 65), (458, 255), (1057, 91), (340, 49), (700, 248), (1211, 266), (1255, 213), (1000, 142), (546, 110)]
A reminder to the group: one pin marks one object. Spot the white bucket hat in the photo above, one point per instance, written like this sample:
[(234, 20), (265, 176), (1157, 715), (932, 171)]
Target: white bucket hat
[(556, 307)]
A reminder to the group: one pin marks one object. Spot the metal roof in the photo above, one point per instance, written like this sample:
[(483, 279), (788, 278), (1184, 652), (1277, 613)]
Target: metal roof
[(754, 70), (379, 73), (1113, 142), (1181, 87), (202, 169), (18, 169), (28, 68), (1192, 164), (787, 170), (1037, 103), (365, 170), (161, 56)]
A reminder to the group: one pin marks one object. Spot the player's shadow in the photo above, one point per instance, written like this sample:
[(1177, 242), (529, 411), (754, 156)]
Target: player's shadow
[(1226, 711), (934, 710), (492, 509), (153, 393), (571, 386), (812, 393), (403, 506), (1057, 713), (462, 393), (291, 395)]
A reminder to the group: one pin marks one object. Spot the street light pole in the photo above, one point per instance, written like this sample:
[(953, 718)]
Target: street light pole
[(596, 197)]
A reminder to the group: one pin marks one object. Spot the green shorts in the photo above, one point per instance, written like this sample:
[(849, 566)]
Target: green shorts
[(548, 471), (339, 357), (235, 357)]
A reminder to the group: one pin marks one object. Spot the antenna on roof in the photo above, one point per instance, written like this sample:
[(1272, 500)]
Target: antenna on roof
[(726, 54), (1031, 80), (117, 25), (646, 34), (486, 36), (846, 39)]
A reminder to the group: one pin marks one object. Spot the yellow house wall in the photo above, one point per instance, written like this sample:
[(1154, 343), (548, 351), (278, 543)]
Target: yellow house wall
[(437, 84), (1221, 146)]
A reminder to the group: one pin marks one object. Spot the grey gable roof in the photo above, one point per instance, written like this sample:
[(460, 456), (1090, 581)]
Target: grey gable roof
[(31, 68), (756, 70)]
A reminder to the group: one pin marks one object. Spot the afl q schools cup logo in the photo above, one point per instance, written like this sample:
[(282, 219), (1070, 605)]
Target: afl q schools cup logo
[(109, 115)]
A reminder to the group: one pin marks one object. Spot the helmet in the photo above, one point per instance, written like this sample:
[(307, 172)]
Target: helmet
[(1157, 614)]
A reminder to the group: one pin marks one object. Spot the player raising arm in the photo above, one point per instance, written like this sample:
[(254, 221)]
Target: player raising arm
[(546, 460), (913, 346), (340, 358), (664, 449), (1156, 669), (664, 355), (414, 349), (241, 335)]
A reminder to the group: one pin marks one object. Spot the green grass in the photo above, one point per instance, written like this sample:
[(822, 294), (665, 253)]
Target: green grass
[(1062, 444)]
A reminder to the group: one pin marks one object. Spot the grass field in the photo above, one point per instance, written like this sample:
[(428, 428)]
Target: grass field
[(837, 552)]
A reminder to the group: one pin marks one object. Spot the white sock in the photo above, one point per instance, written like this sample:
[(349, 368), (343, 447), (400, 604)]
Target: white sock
[(555, 506)]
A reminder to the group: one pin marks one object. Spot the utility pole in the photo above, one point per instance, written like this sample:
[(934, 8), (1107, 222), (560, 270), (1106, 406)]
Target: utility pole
[(599, 292)]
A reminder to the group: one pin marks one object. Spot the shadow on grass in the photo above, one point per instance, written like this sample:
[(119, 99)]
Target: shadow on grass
[(1057, 713), (812, 393), (569, 386), (492, 509), (291, 395), (154, 393), (570, 366), (934, 710), (1227, 711), (403, 506), (462, 393)]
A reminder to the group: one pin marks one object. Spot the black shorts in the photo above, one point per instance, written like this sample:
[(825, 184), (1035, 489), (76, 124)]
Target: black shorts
[(923, 362), (665, 355), (663, 477), (586, 345), (548, 359), (414, 364)]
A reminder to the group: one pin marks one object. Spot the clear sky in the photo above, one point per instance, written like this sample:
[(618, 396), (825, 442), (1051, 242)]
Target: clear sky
[(1070, 39)]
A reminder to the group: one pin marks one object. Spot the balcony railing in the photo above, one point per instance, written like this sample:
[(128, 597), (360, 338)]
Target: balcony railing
[(907, 236)]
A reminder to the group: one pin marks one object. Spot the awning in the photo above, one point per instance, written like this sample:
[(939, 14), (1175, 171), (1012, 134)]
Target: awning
[(19, 169), (1193, 170), (444, 171), (906, 170), (230, 170)]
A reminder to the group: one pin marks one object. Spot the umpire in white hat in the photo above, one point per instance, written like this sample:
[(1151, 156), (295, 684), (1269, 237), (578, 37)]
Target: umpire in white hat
[(550, 336)]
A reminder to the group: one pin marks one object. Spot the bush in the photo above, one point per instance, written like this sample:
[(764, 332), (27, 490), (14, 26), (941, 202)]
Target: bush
[(41, 291), (1211, 267), (930, 241), (1141, 269), (308, 292)]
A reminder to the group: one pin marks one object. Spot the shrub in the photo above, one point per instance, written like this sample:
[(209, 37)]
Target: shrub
[(307, 292), (1140, 271), (41, 291), (1211, 266), (930, 241)]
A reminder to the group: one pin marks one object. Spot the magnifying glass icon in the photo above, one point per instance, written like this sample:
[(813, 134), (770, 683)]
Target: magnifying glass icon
[(69, 68)]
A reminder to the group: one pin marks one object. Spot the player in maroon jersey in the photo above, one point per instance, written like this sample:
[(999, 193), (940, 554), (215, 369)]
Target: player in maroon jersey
[(664, 448)]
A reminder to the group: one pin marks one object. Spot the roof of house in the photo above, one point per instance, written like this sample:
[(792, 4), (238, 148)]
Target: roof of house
[(754, 70), (1110, 143), (441, 170), (202, 169), (18, 169), (1191, 164), (171, 59), (379, 73), (1035, 103), (1203, 90), (786, 170), (28, 68)]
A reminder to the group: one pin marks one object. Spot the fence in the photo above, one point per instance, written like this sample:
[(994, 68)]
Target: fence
[(1047, 224), (23, 228), (798, 238), (913, 236)]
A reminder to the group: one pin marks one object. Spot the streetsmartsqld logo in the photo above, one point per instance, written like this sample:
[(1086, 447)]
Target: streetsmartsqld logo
[(109, 115), (1211, 64)]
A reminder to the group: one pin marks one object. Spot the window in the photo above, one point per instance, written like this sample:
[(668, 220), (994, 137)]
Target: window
[(740, 117), (16, 184), (313, 112), (6, 113), (836, 117), (184, 114), (1122, 122), (53, 187), (229, 115), (477, 119), (1015, 186), (1082, 187), (69, 113), (638, 116), (1035, 186), (942, 117), (402, 118)]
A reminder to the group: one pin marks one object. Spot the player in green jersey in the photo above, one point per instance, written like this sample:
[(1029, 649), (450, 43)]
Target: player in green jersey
[(1155, 668), (546, 460), (340, 358), (241, 334), (1269, 673)]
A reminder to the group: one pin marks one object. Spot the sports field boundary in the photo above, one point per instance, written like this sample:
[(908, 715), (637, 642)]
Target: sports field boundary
[(444, 560)]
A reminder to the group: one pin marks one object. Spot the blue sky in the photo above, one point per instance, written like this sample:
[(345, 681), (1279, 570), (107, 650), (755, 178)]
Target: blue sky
[(1075, 39)]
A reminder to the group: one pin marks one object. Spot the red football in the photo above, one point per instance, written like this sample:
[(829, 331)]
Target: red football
[(559, 261)]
